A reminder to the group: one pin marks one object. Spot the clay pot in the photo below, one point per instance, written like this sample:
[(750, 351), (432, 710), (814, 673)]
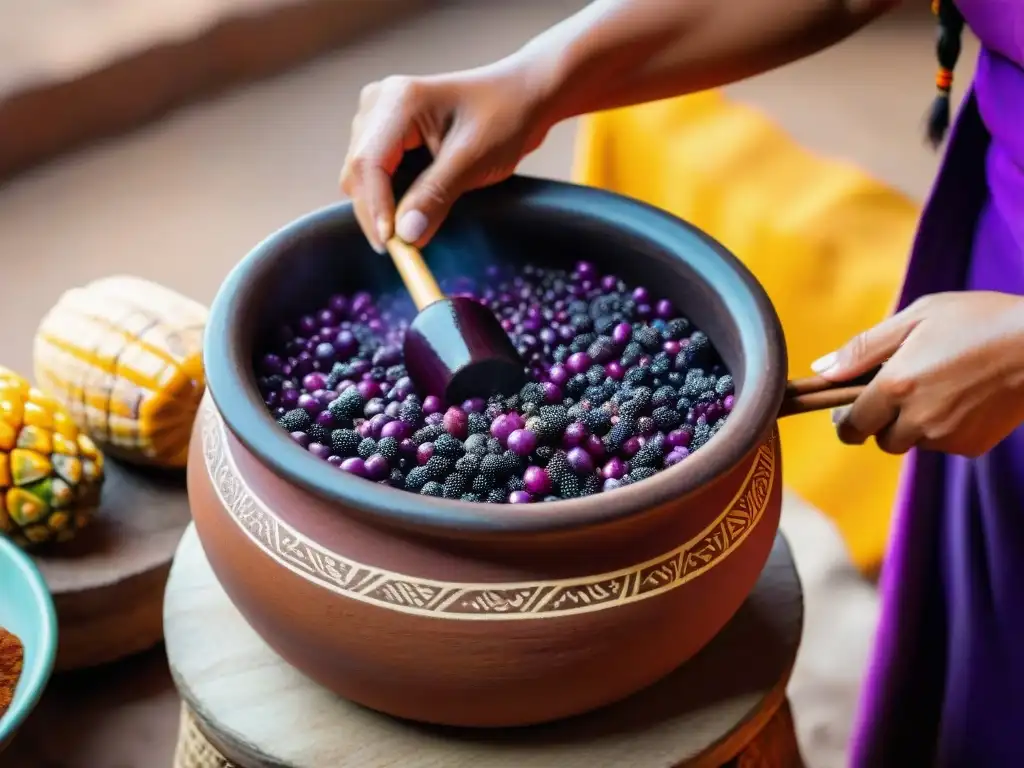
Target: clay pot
[(474, 614)]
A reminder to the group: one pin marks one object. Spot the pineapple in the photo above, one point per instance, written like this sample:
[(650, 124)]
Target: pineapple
[(124, 356), (50, 473)]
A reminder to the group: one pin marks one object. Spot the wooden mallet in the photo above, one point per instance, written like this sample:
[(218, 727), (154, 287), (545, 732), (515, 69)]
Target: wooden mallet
[(455, 347)]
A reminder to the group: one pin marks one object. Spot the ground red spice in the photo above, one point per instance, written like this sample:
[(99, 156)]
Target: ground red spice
[(12, 655)]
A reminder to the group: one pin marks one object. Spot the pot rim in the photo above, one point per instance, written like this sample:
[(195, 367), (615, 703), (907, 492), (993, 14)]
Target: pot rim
[(231, 380)]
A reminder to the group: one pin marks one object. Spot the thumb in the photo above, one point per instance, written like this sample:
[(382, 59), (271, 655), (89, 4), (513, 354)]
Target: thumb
[(424, 207), (868, 349)]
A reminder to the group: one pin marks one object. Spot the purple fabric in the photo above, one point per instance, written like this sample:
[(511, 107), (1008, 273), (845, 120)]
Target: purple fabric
[(946, 683)]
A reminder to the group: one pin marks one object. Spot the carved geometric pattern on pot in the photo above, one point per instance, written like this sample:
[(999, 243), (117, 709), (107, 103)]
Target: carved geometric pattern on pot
[(482, 601)]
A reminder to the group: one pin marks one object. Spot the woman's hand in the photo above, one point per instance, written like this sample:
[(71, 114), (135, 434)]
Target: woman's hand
[(477, 124), (952, 376)]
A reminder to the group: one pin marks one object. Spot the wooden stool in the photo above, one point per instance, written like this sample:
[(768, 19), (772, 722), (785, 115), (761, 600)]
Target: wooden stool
[(246, 708)]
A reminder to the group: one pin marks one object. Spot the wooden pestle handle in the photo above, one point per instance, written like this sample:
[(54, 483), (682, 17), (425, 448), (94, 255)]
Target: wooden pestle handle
[(418, 279), (815, 393)]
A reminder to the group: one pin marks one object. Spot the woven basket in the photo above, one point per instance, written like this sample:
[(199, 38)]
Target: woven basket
[(193, 750)]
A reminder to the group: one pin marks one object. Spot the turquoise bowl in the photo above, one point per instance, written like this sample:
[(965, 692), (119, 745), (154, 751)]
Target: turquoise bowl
[(26, 609)]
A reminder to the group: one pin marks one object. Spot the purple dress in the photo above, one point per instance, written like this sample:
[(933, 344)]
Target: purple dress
[(946, 684)]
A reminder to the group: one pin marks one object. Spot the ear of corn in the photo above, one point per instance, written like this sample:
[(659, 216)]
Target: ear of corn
[(51, 473), (124, 356)]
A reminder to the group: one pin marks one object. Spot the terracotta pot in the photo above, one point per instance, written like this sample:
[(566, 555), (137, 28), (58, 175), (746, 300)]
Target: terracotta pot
[(474, 614)]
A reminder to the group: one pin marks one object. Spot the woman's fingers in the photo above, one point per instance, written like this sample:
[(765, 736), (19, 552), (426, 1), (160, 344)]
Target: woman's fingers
[(384, 129), (426, 204), (871, 413), (900, 436), (870, 348)]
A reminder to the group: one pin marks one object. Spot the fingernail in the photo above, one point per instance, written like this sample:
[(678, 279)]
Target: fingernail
[(378, 248), (823, 364), (383, 231), (837, 415), (411, 226)]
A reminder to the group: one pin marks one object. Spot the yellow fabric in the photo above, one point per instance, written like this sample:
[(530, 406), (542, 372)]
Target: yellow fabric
[(828, 243)]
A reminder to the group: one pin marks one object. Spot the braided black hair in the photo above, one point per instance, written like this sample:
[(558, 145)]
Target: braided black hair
[(947, 50)]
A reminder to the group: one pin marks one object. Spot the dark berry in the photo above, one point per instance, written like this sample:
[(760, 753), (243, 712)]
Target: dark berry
[(576, 413), (438, 467), (561, 353), (513, 463), (652, 454), (428, 434), (388, 448), (666, 419), (515, 483), (477, 444), (432, 488), (455, 485), (558, 468), (416, 478), (699, 348), (367, 447), (620, 433), (663, 396), (542, 455), (497, 497), (694, 384), (631, 354), (530, 393), (569, 488), (582, 324), (338, 373), (660, 365), (724, 385), (296, 420), (491, 466), (483, 483), (396, 372), (591, 485), (647, 337), (469, 497), (598, 420), (676, 329), (631, 410), (318, 433), (602, 350), (577, 385), (582, 342), (641, 473), (636, 375), (396, 479), (449, 446), (347, 405), (468, 465), (642, 396), (478, 424), (345, 442), (411, 412)]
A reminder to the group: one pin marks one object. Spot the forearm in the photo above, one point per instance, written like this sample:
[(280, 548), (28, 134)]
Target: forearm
[(615, 53)]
